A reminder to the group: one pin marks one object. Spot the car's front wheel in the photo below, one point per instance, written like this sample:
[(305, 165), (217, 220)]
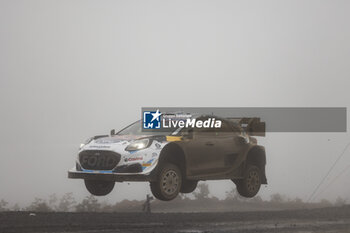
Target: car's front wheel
[(168, 183), (249, 186), (98, 187)]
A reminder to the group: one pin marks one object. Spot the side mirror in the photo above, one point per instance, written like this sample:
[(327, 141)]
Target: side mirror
[(112, 132)]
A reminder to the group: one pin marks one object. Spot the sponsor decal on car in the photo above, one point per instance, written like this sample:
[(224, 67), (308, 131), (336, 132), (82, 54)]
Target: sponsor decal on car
[(134, 159), (147, 164)]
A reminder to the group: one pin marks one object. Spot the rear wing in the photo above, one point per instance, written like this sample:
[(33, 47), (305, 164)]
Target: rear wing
[(253, 126)]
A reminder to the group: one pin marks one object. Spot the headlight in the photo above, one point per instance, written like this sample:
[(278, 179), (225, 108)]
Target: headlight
[(139, 145)]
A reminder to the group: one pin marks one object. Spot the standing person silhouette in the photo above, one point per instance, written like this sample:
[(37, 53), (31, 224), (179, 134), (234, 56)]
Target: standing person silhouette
[(147, 205)]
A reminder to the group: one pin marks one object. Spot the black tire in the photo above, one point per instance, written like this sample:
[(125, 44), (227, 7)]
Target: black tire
[(99, 187), (168, 183), (249, 186), (188, 186)]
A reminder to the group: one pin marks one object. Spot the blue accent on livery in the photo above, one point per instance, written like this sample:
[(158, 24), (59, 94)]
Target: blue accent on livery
[(105, 171), (94, 171), (150, 161)]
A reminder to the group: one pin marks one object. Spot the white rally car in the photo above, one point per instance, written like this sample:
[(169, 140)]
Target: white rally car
[(174, 162)]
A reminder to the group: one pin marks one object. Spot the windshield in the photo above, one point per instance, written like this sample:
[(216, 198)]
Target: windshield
[(136, 129)]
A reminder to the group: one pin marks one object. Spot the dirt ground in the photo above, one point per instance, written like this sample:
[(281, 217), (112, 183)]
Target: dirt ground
[(328, 220)]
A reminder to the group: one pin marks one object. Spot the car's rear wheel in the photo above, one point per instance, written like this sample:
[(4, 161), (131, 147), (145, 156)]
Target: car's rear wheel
[(99, 187), (188, 186), (249, 186), (168, 183)]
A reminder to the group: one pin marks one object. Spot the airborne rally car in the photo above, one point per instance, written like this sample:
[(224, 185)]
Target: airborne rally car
[(175, 161)]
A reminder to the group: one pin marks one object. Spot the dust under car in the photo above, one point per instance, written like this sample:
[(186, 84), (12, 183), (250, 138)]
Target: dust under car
[(174, 162)]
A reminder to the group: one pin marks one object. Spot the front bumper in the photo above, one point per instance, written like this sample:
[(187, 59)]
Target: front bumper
[(109, 176)]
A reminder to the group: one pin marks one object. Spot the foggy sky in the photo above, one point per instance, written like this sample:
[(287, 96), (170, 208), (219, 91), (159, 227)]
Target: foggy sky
[(73, 69)]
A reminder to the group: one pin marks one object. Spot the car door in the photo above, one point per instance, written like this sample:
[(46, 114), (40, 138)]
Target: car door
[(229, 145), (201, 151)]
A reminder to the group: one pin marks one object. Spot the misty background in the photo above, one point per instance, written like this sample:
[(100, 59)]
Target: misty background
[(73, 69)]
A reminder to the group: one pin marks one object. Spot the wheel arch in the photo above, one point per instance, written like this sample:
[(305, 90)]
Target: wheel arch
[(173, 153), (257, 156)]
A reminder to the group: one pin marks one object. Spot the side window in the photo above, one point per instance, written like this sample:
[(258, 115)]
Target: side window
[(204, 131), (225, 128), (228, 128)]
